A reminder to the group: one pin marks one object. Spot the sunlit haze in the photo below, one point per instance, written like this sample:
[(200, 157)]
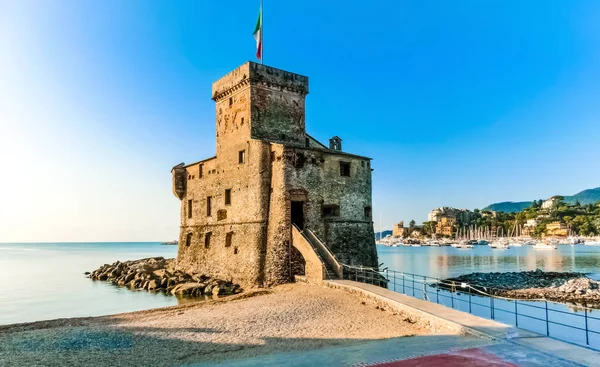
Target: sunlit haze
[(459, 103)]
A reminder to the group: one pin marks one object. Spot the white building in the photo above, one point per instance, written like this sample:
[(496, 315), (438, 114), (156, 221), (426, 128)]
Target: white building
[(531, 223), (548, 204)]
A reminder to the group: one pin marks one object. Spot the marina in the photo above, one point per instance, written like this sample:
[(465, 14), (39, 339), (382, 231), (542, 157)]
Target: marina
[(499, 243)]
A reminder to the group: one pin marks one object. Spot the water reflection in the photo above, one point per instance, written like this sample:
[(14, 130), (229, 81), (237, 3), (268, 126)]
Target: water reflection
[(443, 262)]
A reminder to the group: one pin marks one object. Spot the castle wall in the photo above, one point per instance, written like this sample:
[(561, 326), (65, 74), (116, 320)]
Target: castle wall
[(245, 218), (278, 250), (278, 116), (349, 234)]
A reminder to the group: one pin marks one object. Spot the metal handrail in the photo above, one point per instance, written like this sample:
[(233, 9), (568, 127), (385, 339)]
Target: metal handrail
[(408, 283)]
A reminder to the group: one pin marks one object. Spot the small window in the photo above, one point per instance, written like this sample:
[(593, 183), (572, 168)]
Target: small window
[(235, 250), (242, 121), (188, 240), (189, 208), (200, 170), (362, 163), (328, 211), (368, 212), (242, 156), (228, 238), (299, 160), (208, 206), (207, 239), (189, 177), (228, 197), (230, 101), (345, 169), (307, 142)]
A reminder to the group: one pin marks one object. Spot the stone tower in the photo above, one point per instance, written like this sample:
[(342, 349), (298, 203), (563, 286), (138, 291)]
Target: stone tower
[(238, 208)]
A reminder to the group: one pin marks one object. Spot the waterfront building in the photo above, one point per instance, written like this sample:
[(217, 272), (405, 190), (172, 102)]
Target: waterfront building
[(268, 180), (445, 225), (399, 231), (556, 229)]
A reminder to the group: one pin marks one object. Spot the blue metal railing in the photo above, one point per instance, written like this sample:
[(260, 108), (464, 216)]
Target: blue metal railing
[(481, 301)]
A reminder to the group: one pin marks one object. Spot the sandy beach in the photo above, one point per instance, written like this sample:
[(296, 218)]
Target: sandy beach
[(288, 317)]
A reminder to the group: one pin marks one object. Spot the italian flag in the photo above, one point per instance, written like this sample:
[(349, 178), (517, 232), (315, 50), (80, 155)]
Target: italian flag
[(258, 34)]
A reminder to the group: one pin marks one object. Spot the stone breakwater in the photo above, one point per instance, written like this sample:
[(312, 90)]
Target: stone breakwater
[(160, 274), (553, 286)]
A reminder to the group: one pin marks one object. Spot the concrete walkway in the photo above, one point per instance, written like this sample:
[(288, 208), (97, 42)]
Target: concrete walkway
[(446, 351), (484, 342), (475, 325)]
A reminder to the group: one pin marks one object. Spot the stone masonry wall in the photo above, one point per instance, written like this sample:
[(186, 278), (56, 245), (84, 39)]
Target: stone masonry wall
[(350, 234), (245, 218), (278, 264)]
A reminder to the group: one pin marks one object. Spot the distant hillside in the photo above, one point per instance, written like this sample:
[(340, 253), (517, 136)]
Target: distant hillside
[(589, 196), (509, 206)]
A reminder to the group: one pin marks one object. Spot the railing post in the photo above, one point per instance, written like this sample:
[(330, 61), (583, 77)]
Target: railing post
[(492, 307), (425, 287), (587, 335), (387, 278), (516, 315), (470, 300), (437, 293), (403, 277), (394, 273), (547, 325), (413, 286), (452, 297)]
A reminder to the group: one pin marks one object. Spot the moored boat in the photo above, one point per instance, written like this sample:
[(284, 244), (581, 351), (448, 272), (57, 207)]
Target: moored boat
[(544, 246)]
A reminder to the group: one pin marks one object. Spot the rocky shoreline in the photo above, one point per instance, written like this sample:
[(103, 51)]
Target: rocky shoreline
[(575, 288), (160, 274)]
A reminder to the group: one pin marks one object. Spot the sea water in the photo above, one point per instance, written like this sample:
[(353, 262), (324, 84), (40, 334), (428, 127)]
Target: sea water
[(41, 281)]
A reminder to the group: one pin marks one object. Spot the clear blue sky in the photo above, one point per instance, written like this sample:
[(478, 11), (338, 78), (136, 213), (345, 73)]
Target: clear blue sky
[(459, 103)]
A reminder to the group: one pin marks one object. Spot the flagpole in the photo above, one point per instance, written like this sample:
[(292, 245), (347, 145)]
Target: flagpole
[(262, 24)]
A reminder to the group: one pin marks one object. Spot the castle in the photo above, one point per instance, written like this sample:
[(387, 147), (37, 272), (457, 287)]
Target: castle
[(245, 211)]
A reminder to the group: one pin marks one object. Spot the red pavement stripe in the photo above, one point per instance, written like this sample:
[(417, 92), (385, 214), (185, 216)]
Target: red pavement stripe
[(475, 357)]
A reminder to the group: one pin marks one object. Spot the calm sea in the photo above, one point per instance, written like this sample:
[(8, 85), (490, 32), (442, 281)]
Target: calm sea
[(41, 281), (444, 262)]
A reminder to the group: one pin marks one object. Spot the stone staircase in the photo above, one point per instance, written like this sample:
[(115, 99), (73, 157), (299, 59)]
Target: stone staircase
[(330, 272), (307, 241)]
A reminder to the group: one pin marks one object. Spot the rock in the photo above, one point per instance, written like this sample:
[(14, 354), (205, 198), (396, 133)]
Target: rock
[(152, 285), (184, 289), (161, 274), (129, 277)]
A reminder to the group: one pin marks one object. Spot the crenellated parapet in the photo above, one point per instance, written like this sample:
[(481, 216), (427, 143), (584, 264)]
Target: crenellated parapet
[(259, 75)]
